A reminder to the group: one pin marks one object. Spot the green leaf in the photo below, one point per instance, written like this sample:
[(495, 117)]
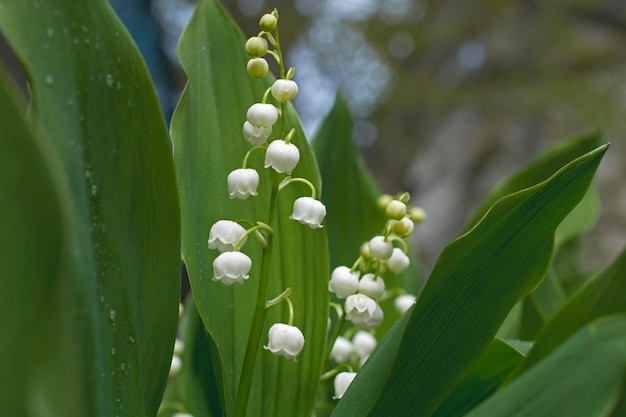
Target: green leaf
[(539, 170), (482, 379), (92, 99), (581, 378), (604, 295), (208, 144), (31, 238), (476, 281)]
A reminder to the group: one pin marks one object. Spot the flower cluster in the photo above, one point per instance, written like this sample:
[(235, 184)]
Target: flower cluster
[(280, 155), (363, 287)]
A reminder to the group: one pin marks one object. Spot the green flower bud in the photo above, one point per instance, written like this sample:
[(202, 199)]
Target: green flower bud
[(257, 68), (383, 201), (417, 214), (256, 46), (395, 210), (403, 227), (268, 22)]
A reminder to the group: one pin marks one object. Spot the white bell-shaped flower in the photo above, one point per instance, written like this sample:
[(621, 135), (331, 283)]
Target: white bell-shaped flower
[(284, 90), (262, 114), (308, 211), (364, 343), (256, 135), (342, 382), (282, 156), (403, 302), (398, 262), (363, 312), (372, 286), (285, 340), (342, 349), (231, 267), (379, 248), (175, 365), (242, 183), (343, 282), (224, 234)]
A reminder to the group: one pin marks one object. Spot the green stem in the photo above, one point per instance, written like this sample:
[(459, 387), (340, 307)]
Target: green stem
[(289, 180), (244, 164), (258, 319)]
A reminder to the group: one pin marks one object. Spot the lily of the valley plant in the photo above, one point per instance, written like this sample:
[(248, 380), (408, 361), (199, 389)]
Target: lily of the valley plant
[(306, 294)]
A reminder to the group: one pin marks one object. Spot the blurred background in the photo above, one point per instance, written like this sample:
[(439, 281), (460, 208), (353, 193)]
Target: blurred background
[(448, 96)]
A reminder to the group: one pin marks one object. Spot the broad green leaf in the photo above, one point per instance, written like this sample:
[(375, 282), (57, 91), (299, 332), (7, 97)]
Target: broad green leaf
[(549, 161), (482, 379), (93, 101), (605, 295), (208, 145), (581, 378), (476, 281), (351, 195)]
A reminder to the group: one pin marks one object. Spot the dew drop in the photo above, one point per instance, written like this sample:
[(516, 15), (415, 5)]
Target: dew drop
[(110, 80), (50, 32), (49, 79), (112, 351), (94, 189), (112, 315)]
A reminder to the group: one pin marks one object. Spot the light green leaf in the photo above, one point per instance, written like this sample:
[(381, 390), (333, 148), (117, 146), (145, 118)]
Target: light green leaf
[(482, 379), (476, 281), (94, 103), (581, 378), (208, 144)]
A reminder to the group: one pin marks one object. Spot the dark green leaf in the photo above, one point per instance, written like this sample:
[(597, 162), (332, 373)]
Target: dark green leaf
[(606, 294), (482, 379), (93, 100), (208, 144), (583, 377)]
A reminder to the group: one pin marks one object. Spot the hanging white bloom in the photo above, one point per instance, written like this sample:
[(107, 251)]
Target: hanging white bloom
[(308, 211), (256, 135), (182, 415), (242, 183), (262, 115), (284, 90), (403, 227), (231, 267), (285, 340), (224, 234), (179, 347), (364, 343), (175, 365), (342, 349), (282, 156), (363, 312), (342, 382), (403, 302), (398, 262), (372, 286), (380, 248), (343, 282)]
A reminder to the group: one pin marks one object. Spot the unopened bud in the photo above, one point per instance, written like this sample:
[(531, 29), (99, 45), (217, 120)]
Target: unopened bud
[(383, 201), (257, 67), (268, 22), (403, 227), (256, 46), (417, 214), (395, 210)]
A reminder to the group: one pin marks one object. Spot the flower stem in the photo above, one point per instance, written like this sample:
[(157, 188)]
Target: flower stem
[(258, 319)]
